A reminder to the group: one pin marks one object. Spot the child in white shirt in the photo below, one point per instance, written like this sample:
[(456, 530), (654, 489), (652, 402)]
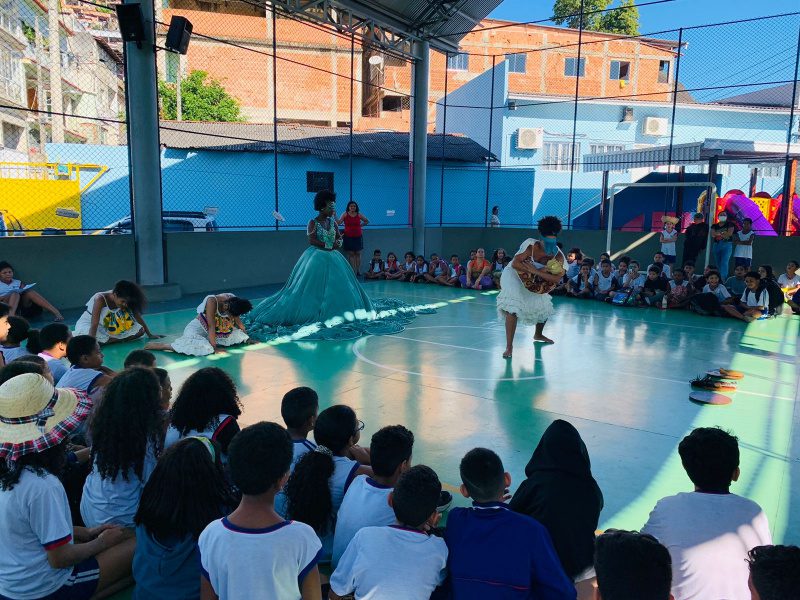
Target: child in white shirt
[(397, 561), (366, 503), (634, 280), (669, 235), (754, 302), (743, 244), (790, 281)]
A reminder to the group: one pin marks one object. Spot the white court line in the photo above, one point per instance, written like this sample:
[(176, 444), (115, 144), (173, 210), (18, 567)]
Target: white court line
[(400, 337)]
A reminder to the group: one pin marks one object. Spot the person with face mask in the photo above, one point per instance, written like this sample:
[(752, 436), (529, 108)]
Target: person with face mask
[(722, 234)]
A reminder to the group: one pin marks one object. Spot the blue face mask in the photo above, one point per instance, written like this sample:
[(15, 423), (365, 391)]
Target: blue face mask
[(550, 246)]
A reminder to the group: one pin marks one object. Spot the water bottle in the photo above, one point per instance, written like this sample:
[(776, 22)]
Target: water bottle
[(664, 302)]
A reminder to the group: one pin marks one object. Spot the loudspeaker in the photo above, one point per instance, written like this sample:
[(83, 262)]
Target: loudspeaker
[(179, 34), (131, 22)]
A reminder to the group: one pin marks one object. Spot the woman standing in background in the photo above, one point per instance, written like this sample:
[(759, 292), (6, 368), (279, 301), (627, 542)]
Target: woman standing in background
[(353, 239)]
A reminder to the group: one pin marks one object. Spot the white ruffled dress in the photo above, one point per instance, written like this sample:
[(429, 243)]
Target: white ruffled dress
[(514, 298), (117, 323), (194, 341)]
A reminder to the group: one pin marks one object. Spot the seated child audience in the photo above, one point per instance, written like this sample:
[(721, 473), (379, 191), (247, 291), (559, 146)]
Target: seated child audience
[(207, 405), (493, 551), (714, 286), (735, 283), (456, 270), (663, 267), (26, 364), (632, 566), (115, 315), (392, 270), (680, 290), (655, 287), (299, 409), (605, 256), (498, 264), (377, 267), (709, 531), (604, 284), (321, 478), (621, 271), (402, 560), (774, 572), (634, 280), (478, 273), (581, 286), (366, 502), (743, 244), (140, 358), (574, 262), (790, 280), (18, 332), (438, 271), (126, 437), (21, 298), (561, 494), (755, 301), (185, 493), (53, 340), (691, 276), (42, 554), (200, 338), (420, 270), (254, 552), (87, 372), (409, 266), (165, 383)]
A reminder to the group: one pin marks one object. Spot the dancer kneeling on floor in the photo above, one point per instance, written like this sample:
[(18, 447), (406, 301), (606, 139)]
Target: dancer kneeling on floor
[(537, 268), (200, 338)]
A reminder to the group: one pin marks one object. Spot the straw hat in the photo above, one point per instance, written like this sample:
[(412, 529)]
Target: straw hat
[(35, 416), (668, 219)]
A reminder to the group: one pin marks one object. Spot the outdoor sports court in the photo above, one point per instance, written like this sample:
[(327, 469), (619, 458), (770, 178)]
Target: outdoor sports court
[(620, 375)]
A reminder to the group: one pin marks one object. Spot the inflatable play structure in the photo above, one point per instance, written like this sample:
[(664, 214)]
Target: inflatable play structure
[(762, 208)]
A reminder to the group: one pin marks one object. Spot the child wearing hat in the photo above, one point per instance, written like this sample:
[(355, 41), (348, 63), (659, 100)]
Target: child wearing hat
[(41, 553)]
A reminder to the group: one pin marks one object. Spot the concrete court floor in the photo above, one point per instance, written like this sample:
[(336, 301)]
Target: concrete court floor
[(620, 375)]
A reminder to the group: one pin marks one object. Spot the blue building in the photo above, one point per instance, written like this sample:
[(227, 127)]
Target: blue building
[(530, 131), (231, 167)]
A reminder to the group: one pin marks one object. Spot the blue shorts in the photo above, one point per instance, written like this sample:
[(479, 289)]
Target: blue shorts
[(81, 585), (669, 259)]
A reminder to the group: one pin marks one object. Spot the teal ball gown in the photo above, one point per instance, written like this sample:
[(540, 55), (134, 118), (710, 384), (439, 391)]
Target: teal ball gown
[(322, 299)]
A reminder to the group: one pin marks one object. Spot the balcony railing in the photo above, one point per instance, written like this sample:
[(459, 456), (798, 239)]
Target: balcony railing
[(12, 91), (12, 25)]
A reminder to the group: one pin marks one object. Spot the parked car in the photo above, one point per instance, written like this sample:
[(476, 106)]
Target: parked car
[(175, 220)]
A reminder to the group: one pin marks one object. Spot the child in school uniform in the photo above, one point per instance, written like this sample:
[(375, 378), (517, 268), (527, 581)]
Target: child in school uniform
[(735, 283), (634, 280), (409, 266), (743, 244), (669, 236), (207, 406), (313, 498), (581, 286), (621, 271), (218, 325), (401, 560), (495, 553), (42, 555), (140, 358), (18, 332), (655, 287), (754, 303), (299, 409), (680, 290), (53, 340), (166, 564), (126, 431), (420, 270), (604, 284), (115, 315), (377, 267), (438, 271), (714, 286), (659, 260), (254, 552), (87, 372), (456, 271), (392, 270), (366, 502)]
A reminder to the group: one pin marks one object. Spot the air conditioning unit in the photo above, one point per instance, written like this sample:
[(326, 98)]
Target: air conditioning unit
[(529, 138), (656, 127)]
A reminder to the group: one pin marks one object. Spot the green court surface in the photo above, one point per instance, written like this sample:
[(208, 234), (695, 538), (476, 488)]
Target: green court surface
[(620, 375)]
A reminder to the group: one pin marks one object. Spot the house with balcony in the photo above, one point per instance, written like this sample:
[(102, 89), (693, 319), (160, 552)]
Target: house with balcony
[(13, 134)]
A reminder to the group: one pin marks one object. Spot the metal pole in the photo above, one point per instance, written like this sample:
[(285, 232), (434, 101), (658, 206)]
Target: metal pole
[(790, 172), (610, 218), (674, 110), (275, 106), (712, 179), (144, 152), (575, 119), (352, 63), (444, 136), (178, 92), (56, 95), (488, 159), (419, 142), (603, 197)]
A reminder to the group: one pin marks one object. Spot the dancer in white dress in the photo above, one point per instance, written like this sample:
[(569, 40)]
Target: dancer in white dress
[(115, 315), (217, 325), (515, 301)]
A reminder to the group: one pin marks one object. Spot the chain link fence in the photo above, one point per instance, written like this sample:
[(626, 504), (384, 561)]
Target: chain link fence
[(266, 109)]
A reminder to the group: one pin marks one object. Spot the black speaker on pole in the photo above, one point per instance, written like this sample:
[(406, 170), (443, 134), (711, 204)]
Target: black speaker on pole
[(178, 35), (131, 22)]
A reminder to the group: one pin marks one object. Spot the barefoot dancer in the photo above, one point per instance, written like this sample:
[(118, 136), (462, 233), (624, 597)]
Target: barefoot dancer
[(516, 301)]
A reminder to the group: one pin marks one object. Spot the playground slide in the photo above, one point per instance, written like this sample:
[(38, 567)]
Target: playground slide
[(743, 207)]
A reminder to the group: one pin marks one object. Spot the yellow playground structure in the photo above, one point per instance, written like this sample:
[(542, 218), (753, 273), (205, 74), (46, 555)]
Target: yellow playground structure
[(37, 198)]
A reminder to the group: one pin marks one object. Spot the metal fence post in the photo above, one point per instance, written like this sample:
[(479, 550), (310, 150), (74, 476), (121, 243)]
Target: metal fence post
[(275, 107), (444, 140), (575, 119), (488, 159), (674, 112)]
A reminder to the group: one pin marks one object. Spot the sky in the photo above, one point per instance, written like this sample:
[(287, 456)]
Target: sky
[(736, 57)]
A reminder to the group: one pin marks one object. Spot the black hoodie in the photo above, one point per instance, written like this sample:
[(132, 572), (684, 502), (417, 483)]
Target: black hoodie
[(562, 495)]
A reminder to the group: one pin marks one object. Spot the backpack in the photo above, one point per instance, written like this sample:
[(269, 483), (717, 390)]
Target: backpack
[(776, 297), (706, 304), (624, 298)]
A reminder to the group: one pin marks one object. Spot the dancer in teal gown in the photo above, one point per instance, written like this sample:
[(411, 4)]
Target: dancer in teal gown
[(322, 298)]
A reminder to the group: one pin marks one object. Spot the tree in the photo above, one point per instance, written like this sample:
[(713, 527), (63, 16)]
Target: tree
[(202, 99), (623, 20)]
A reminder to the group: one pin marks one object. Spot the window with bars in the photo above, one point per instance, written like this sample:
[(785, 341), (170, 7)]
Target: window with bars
[(458, 62), (603, 148), (573, 67), (516, 62), (557, 156)]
